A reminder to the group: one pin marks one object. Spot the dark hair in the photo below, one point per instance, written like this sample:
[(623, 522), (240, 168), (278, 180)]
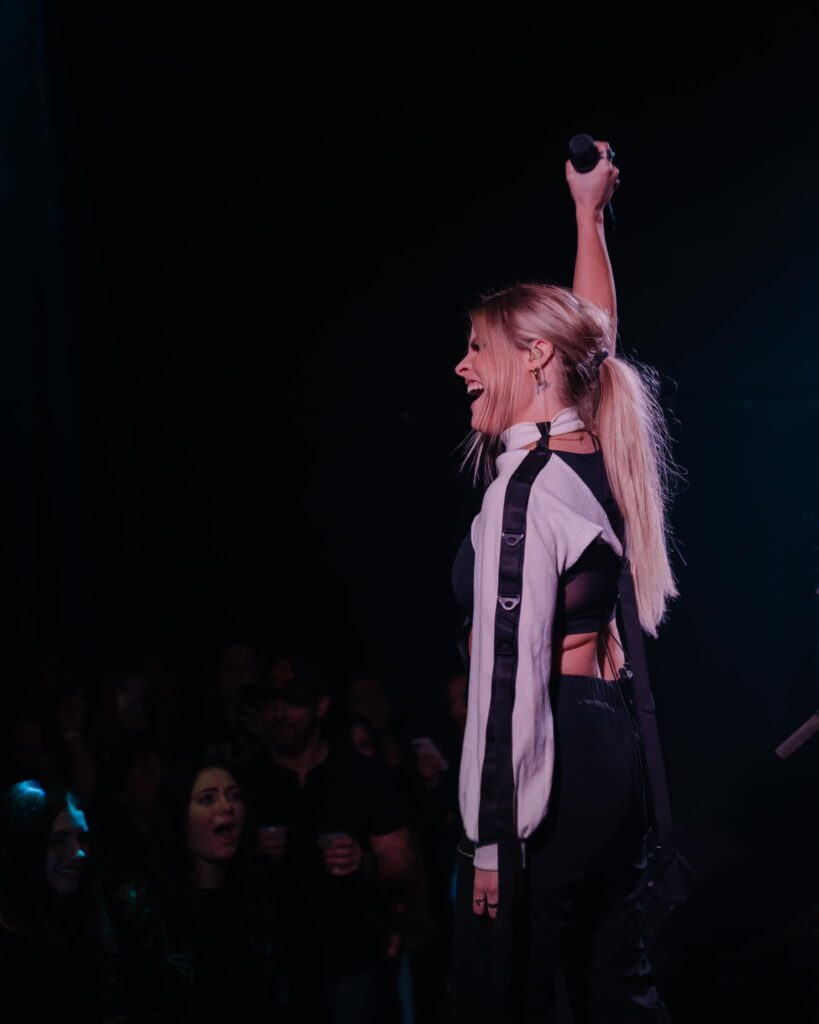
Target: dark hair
[(121, 761), (171, 865), (29, 906), (209, 693), (338, 729), (308, 671)]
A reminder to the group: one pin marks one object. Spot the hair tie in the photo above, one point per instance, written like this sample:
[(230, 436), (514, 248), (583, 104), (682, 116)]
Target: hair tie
[(598, 358)]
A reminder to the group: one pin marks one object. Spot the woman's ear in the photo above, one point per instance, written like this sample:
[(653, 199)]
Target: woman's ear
[(545, 350)]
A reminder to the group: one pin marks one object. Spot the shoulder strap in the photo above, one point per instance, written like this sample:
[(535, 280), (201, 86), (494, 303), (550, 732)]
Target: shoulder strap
[(637, 675), (496, 819)]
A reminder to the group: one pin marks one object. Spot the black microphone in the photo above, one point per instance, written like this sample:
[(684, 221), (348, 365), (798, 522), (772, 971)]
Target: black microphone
[(584, 157)]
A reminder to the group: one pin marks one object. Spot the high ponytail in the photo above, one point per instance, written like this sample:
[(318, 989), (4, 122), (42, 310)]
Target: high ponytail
[(633, 434)]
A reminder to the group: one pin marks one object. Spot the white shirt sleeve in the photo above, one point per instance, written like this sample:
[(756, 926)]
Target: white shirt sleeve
[(563, 518)]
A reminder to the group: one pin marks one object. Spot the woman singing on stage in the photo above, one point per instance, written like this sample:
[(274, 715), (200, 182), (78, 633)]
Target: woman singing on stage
[(554, 796)]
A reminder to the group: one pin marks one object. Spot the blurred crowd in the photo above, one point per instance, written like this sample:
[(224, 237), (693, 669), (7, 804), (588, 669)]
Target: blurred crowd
[(245, 839)]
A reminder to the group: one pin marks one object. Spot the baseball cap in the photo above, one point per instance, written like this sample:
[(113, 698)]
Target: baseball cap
[(292, 680)]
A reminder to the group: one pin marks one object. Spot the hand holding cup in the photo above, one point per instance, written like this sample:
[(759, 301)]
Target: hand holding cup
[(272, 840), (342, 854)]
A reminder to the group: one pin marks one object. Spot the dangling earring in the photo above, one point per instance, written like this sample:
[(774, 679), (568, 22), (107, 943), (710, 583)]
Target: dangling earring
[(540, 381)]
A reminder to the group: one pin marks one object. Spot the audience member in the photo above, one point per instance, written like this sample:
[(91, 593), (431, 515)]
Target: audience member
[(199, 926), (29, 748), (55, 943), (335, 833), (367, 698), (129, 780), (136, 699), (231, 729)]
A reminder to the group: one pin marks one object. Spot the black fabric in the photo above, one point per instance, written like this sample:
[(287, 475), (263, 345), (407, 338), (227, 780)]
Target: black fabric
[(48, 983), (668, 883), (580, 904), (587, 592), (335, 924), (199, 955)]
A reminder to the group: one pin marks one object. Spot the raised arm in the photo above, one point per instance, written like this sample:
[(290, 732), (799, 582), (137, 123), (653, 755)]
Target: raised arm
[(593, 277)]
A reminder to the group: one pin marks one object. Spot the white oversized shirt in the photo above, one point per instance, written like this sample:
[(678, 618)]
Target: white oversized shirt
[(563, 517)]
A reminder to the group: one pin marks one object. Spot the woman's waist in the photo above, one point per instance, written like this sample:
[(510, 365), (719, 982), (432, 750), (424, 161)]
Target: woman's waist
[(596, 654)]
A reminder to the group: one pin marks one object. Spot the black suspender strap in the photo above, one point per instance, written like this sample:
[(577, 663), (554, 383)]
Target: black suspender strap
[(672, 884), (497, 815)]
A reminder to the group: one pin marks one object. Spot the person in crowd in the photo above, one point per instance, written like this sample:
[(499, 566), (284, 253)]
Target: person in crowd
[(231, 728), (56, 946), (367, 697), (346, 730), (552, 790), (30, 749), (335, 834), (47, 741), (415, 769), (135, 699), (199, 925), (128, 784)]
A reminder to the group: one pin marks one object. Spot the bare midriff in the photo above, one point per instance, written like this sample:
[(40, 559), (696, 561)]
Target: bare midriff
[(589, 654), (600, 653), (586, 654)]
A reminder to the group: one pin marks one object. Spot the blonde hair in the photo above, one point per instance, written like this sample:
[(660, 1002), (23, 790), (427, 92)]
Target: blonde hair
[(618, 401)]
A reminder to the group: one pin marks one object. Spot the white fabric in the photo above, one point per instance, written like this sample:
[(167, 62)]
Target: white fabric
[(521, 434), (563, 518)]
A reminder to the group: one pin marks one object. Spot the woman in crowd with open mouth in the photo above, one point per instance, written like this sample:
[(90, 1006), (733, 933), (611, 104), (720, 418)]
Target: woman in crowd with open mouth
[(199, 928)]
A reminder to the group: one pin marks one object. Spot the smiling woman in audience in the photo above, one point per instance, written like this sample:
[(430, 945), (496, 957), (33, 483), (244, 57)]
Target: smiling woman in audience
[(54, 939)]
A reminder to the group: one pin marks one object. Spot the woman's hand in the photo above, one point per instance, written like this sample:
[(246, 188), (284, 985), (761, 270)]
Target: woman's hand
[(592, 190), (485, 892)]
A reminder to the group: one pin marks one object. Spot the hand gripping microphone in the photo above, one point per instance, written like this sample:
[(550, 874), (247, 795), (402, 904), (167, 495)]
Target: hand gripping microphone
[(584, 157)]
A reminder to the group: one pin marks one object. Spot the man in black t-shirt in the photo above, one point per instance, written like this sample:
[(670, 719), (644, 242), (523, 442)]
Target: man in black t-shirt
[(336, 834)]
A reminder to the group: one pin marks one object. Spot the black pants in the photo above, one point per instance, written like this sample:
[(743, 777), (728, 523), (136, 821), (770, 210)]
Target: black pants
[(580, 895)]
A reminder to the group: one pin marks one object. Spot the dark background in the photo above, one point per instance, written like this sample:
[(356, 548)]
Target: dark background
[(238, 250)]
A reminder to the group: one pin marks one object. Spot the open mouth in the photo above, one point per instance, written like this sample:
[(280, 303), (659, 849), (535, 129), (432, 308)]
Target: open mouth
[(474, 390), (227, 831)]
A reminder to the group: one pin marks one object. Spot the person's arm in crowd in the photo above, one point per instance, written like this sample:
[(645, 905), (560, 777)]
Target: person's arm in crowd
[(391, 860), (394, 857), (593, 276)]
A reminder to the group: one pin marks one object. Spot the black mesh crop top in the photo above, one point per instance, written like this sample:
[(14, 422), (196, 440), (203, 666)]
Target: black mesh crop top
[(587, 591)]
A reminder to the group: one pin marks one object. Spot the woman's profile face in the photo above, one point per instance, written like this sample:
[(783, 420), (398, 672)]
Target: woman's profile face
[(480, 373), (68, 847), (471, 370), (216, 816)]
